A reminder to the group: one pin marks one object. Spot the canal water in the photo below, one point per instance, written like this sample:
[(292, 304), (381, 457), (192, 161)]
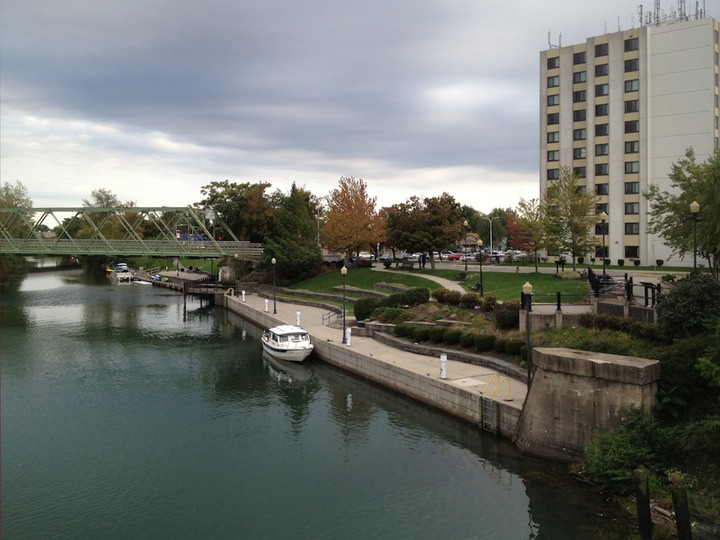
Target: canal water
[(126, 414)]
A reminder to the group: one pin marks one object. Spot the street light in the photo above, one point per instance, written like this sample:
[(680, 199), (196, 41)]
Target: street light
[(603, 219), (480, 244), (274, 262), (694, 214), (465, 226), (527, 291), (343, 271), (490, 220)]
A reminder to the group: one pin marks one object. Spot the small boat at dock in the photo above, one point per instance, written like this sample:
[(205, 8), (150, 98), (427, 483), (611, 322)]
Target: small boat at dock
[(287, 342)]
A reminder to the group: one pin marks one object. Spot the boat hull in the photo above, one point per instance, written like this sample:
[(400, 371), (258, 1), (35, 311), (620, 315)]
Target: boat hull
[(287, 342), (289, 355)]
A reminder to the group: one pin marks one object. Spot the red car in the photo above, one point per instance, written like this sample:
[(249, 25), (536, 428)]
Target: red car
[(456, 257)]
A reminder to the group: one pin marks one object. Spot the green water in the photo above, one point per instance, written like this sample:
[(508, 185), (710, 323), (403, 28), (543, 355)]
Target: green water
[(125, 415)]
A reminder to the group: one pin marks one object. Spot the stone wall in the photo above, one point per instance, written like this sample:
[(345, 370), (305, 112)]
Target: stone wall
[(576, 393)]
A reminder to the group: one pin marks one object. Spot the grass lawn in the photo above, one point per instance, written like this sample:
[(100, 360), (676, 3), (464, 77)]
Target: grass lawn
[(503, 285)]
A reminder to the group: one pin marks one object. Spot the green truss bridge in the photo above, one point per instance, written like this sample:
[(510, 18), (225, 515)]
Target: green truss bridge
[(127, 232)]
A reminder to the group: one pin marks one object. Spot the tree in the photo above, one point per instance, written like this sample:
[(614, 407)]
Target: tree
[(293, 242), (246, 209), (568, 216), (670, 212), (525, 230), (108, 225), (350, 217), (13, 267), (429, 224)]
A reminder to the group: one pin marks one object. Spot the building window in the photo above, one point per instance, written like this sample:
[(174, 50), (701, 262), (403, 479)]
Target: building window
[(602, 207), (632, 85), (632, 126), (632, 105), (601, 70), (602, 169), (553, 118), (579, 153), (553, 99), (632, 188), (579, 96), (602, 189), (579, 58), (632, 208), (579, 116), (602, 149), (602, 89), (632, 65), (602, 109), (553, 136), (553, 155), (553, 174), (602, 129), (579, 172), (579, 77), (632, 44), (632, 147), (579, 134), (632, 252), (632, 167), (601, 49), (632, 228), (553, 81), (553, 62), (581, 190)]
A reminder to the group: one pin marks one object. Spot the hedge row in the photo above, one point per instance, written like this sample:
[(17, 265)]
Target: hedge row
[(364, 307), (636, 329), (452, 336), (469, 300)]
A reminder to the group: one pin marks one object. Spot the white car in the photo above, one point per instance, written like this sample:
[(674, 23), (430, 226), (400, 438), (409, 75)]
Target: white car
[(366, 256)]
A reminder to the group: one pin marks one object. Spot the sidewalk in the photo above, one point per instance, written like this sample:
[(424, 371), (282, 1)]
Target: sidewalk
[(460, 375)]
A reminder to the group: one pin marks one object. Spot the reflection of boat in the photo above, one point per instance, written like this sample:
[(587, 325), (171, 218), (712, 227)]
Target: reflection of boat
[(288, 371), (287, 342)]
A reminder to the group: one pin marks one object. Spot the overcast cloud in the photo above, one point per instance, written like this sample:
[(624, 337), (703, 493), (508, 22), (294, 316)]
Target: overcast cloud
[(154, 99)]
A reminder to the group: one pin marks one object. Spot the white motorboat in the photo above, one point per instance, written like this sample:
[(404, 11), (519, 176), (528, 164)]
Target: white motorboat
[(287, 342)]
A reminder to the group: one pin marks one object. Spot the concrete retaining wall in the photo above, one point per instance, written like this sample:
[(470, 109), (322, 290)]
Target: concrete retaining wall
[(575, 393)]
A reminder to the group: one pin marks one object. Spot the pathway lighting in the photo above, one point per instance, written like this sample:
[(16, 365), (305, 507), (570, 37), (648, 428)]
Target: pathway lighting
[(527, 291), (274, 262), (343, 271), (695, 216)]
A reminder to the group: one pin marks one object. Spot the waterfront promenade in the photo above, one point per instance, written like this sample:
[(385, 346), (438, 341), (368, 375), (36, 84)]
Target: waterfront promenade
[(462, 392)]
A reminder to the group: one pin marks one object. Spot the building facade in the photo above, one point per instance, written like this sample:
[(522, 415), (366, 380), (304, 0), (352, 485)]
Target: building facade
[(619, 110)]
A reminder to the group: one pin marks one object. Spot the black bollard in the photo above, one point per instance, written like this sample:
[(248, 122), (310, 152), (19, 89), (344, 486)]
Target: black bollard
[(642, 497)]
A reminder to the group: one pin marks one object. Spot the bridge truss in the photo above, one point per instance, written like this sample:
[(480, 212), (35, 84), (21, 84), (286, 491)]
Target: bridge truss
[(185, 232)]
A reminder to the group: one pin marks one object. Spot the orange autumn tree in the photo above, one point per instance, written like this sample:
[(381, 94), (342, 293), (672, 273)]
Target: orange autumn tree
[(351, 220)]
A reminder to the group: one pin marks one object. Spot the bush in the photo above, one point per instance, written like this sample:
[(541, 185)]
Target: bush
[(507, 315), (440, 295), (690, 307), (391, 315), (364, 307), (469, 300), (437, 334), (488, 303), (402, 330), (411, 297), (484, 342), (420, 334), (514, 346), (467, 340), (452, 336), (499, 345), (453, 298)]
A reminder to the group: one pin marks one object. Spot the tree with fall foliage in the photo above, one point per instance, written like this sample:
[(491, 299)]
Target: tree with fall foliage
[(525, 228), (350, 217)]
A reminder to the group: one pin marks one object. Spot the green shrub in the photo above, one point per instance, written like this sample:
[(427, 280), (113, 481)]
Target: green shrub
[(507, 315), (499, 345), (514, 346), (452, 336), (436, 334), (690, 307), (364, 307), (484, 342), (440, 295), (453, 298), (390, 315), (488, 303), (420, 334), (469, 300), (404, 330), (467, 340)]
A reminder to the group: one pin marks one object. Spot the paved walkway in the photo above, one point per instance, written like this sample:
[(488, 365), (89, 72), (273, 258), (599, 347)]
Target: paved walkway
[(470, 377)]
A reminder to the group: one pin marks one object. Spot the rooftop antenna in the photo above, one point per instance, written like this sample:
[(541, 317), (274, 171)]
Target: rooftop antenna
[(640, 12), (551, 46), (657, 12)]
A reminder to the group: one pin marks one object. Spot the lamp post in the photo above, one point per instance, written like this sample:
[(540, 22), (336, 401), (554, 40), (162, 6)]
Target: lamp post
[(694, 213), (480, 245), (274, 262), (603, 220), (343, 271), (465, 226), (490, 220), (527, 291)]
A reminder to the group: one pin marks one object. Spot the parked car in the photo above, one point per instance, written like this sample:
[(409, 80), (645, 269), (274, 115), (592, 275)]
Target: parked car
[(366, 256), (456, 257), (386, 257)]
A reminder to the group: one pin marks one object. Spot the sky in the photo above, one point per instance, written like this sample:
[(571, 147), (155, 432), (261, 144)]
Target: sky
[(153, 100)]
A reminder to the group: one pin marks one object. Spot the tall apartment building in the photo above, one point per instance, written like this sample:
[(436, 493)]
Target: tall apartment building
[(620, 109)]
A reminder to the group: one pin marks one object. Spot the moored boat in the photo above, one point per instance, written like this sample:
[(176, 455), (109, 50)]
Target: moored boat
[(287, 342)]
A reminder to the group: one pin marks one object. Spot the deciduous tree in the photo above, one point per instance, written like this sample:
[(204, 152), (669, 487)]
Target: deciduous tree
[(350, 217), (525, 229)]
